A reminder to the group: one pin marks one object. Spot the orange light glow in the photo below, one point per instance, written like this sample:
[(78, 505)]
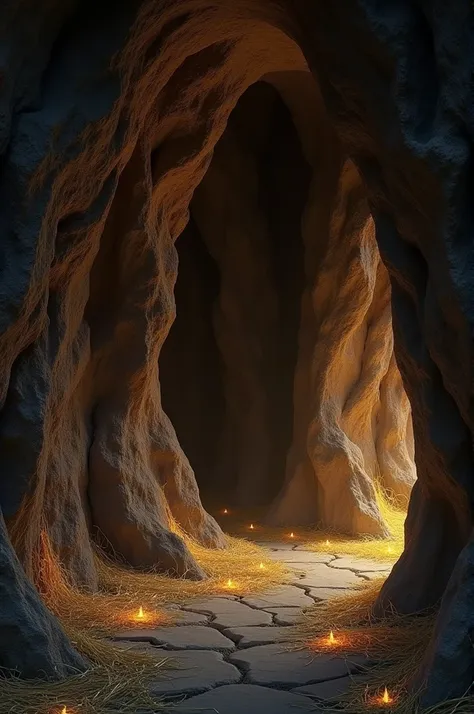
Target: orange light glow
[(292, 535), (251, 526), (141, 614), (226, 511), (331, 638), (328, 543), (230, 584), (64, 710), (386, 698)]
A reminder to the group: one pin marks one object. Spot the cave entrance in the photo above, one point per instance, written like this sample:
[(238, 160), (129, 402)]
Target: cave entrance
[(227, 366)]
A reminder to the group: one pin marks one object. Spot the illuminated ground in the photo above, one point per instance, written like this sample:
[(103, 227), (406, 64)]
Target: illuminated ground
[(231, 652)]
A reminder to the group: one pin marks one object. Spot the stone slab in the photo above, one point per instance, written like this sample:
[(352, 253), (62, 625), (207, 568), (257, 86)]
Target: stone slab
[(327, 593), (230, 613), (325, 691), (193, 672), (360, 564), (286, 615), (325, 576), (191, 637), (246, 699), (252, 636), (273, 666), (284, 596)]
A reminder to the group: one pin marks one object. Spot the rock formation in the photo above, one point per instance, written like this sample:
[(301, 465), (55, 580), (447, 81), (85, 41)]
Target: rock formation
[(110, 115)]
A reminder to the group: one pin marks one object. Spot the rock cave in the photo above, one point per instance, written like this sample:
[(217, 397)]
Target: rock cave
[(235, 268)]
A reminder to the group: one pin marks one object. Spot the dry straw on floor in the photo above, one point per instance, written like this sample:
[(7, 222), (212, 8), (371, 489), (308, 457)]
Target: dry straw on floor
[(395, 644), (118, 679)]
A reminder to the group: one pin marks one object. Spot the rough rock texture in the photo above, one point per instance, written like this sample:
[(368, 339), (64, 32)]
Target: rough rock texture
[(110, 113), (353, 412)]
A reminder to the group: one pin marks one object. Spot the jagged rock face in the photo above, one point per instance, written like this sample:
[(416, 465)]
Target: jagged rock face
[(110, 116)]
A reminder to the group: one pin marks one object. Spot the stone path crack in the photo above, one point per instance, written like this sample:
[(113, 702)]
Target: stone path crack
[(229, 650)]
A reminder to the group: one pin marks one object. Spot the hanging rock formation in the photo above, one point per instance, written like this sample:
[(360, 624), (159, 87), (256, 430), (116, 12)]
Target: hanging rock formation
[(110, 114)]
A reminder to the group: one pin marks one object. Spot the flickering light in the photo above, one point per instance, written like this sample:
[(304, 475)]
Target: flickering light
[(64, 710), (292, 535), (331, 638), (251, 526), (141, 614), (386, 698), (327, 542), (226, 511), (261, 566), (230, 585)]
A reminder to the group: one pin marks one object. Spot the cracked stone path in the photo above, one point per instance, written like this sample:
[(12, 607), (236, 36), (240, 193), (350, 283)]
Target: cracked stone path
[(227, 651)]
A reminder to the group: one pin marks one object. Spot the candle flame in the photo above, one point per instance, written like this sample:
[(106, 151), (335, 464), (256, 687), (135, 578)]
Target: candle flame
[(64, 710), (327, 542), (251, 526), (141, 614), (230, 584), (226, 511), (386, 698), (262, 567), (332, 639), (292, 535)]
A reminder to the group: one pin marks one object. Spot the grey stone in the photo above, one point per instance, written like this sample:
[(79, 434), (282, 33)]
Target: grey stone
[(286, 615), (231, 613), (324, 576), (284, 596), (192, 672), (192, 637), (360, 564), (245, 698), (332, 689), (275, 666), (328, 593), (252, 636)]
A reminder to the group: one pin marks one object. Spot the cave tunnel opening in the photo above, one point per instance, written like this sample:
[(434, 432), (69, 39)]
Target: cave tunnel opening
[(227, 366)]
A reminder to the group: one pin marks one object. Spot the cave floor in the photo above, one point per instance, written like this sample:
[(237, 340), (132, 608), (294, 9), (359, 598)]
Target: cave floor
[(228, 654)]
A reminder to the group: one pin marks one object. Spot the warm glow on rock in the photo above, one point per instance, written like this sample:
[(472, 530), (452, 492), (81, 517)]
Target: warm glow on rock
[(386, 698)]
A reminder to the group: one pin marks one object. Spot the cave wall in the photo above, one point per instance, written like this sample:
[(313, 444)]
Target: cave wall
[(89, 88)]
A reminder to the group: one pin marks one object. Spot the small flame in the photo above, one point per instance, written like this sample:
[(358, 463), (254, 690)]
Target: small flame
[(226, 511), (230, 583), (386, 698), (292, 535), (332, 639), (140, 615), (389, 549), (328, 543), (64, 710), (261, 566), (251, 526)]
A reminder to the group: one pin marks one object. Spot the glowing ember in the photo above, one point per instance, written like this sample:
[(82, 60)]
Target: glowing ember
[(292, 535), (251, 526), (331, 638), (386, 698)]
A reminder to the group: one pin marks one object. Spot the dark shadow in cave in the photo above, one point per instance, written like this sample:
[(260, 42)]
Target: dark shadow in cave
[(193, 369)]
